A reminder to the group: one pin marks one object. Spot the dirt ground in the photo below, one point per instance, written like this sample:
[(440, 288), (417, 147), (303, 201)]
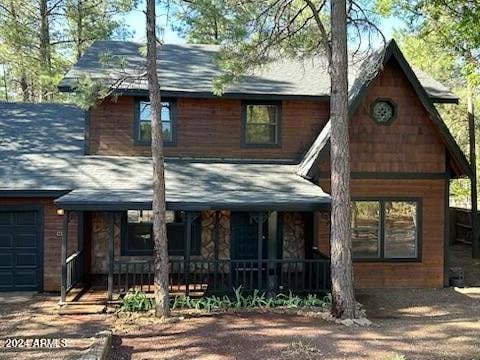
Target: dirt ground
[(408, 324), (30, 328)]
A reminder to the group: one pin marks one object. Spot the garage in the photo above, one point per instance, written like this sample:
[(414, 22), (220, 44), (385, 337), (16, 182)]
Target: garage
[(21, 235)]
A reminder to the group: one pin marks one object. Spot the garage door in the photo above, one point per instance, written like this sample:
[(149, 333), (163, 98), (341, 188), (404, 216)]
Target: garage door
[(20, 250)]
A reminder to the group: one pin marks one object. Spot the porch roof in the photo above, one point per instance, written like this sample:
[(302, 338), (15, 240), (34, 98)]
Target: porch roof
[(194, 186)]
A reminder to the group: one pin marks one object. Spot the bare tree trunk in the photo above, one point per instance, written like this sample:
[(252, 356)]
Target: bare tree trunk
[(343, 299), (45, 55), (473, 180), (162, 305)]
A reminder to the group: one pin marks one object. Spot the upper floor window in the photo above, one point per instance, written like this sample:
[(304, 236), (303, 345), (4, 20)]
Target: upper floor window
[(143, 125), (385, 229), (261, 123)]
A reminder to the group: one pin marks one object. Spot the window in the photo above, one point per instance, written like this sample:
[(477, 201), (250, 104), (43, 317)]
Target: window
[(143, 126), (383, 111), (261, 124), (385, 229), (137, 238)]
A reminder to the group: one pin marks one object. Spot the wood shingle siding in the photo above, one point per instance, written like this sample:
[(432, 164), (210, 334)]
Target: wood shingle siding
[(409, 144), (52, 229), (206, 128), (426, 273)]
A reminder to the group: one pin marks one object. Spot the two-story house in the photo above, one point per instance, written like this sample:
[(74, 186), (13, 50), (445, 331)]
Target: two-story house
[(247, 177)]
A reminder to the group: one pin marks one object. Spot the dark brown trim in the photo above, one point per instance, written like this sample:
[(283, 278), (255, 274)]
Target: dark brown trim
[(247, 96), (186, 206), (392, 176)]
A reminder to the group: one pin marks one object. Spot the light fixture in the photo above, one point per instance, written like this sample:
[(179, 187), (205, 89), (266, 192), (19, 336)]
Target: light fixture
[(60, 211)]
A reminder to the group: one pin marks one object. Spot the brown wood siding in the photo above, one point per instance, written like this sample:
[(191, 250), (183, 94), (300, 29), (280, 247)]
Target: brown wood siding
[(52, 229), (428, 272), (410, 143), (206, 128)]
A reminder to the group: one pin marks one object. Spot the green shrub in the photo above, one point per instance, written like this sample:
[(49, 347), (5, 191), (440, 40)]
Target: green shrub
[(137, 301), (255, 300)]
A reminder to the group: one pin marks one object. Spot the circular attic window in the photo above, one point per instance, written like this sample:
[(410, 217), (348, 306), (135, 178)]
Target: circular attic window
[(383, 111)]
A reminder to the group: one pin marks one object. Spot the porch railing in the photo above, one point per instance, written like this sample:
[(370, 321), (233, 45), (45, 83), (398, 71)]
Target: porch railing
[(221, 276), (74, 269)]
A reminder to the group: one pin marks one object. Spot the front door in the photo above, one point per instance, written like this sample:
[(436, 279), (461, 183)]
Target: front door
[(244, 248)]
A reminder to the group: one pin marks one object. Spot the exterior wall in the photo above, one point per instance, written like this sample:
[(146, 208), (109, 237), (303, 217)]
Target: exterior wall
[(409, 144), (293, 239), (52, 237), (206, 128), (429, 271)]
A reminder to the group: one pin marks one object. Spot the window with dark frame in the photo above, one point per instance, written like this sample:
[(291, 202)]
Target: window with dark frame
[(385, 229), (137, 239), (144, 125), (261, 124)]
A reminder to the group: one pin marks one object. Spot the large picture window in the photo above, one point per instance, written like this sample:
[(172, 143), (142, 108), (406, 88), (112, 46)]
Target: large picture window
[(137, 237), (143, 125), (261, 124), (385, 229)]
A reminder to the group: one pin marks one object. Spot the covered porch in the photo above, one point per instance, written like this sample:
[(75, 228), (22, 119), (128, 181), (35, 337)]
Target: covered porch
[(264, 238)]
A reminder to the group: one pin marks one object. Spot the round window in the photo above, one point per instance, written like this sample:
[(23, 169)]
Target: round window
[(383, 111)]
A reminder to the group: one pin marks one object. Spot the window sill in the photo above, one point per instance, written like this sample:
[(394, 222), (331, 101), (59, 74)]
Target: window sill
[(392, 260), (260, 146), (148, 143)]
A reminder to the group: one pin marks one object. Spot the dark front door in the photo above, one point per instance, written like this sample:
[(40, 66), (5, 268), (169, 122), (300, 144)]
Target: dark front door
[(20, 250), (244, 249), (245, 236)]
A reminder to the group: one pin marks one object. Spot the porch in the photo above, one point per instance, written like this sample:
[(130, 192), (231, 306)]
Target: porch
[(256, 256), (228, 225)]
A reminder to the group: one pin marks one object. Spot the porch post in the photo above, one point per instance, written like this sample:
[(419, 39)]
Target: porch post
[(63, 284), (260, 247), (216, 240), (111, 256), (188, 243), (272, 250), (216, 234)]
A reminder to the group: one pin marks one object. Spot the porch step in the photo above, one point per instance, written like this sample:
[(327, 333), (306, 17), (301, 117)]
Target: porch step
[(81, 309)]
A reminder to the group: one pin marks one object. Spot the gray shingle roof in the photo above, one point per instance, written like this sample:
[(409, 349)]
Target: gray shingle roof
[(42, 149), (191, 69)]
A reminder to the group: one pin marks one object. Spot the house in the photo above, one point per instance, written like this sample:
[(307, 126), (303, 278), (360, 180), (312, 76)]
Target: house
[(247, 177)]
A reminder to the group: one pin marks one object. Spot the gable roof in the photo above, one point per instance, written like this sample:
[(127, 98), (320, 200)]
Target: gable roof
[(189, 69), (357, 93)]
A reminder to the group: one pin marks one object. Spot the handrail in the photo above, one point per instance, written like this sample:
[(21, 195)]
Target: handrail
[(75, 269), (74, 256), (222, 275)]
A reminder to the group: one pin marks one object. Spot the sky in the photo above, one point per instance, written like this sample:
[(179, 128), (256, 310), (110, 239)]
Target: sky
[(136, 21)]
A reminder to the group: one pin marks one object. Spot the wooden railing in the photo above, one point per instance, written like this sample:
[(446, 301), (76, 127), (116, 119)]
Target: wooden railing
[(221, 276), (74, 269)]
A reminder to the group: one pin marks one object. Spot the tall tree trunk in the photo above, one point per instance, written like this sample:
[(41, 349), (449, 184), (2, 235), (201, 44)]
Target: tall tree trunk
[(79, 35), (343, 299), (473, 180), (162, 305), (45, 55)]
